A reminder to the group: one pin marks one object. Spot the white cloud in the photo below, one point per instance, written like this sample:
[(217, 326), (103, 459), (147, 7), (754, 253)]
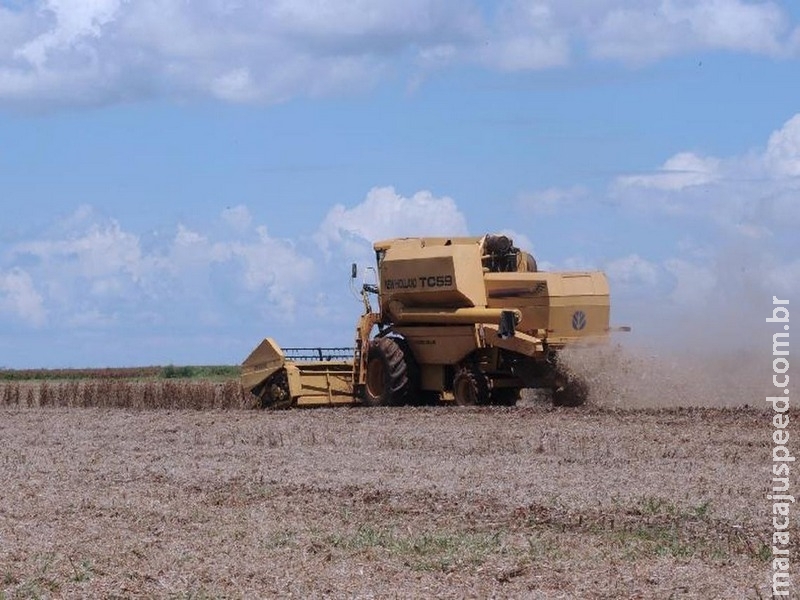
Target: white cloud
[(275, 265), (103, 51), (794, 42), (236, 86), (522, 53), (652, 30), (680, 171), (340, 21), (753, 194), (386, 214), (106, 50), (238, 217), (782, 156), (19, 298), (92, 271), (73, 22), (255, 261), (525, 37), (190, 251), (102, 250)]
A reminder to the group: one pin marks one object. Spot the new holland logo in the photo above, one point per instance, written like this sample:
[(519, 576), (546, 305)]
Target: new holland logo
[(578, 320)]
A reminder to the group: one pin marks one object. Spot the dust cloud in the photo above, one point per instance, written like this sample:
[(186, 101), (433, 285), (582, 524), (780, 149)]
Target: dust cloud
[(626, 376), (710, 347)]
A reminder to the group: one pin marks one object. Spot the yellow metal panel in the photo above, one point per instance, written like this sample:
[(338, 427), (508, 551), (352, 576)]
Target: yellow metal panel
[(262, 363), (332, 380), (447, 316), (562, 306), (521, 342), (417, 274), (445, 345), (295, 380)]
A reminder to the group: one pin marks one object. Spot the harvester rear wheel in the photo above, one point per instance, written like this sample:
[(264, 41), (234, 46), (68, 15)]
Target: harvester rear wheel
[(505, 396), (388, 378), (470, 387)]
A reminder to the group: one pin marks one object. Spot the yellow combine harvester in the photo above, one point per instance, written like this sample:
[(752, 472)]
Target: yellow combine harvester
[(469, 320)]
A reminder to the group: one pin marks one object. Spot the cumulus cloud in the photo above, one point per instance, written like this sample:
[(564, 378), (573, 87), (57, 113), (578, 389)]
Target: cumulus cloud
[(87, 270), (708, 238), (386, 214), (651, 30), (108, 50), (67, 25), (752, 194), (103, 250), (275, 265), (103, 51), (254, 262), (238, 217), (524, 37), (782, 156), (19, 298)]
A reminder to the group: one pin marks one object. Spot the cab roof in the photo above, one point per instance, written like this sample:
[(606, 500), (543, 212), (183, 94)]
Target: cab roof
[(426, 241)]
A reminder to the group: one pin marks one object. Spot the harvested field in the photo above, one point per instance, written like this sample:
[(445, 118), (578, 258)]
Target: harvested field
[(440, 502)]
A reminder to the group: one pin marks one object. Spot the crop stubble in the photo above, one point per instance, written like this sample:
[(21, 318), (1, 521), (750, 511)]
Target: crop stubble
[(402, 502)]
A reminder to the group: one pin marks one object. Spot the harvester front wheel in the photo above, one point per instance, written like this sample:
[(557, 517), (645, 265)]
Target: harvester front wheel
[(470, 387), (388, 381)]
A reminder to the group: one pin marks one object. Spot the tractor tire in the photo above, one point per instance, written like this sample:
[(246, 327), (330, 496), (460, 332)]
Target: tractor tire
[(470, 388), (389, 380)]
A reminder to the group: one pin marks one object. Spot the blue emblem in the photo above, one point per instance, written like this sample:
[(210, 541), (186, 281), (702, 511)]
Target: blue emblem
[(578, 320)]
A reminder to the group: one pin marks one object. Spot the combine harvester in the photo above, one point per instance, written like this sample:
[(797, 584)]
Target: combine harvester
[(469, 320)]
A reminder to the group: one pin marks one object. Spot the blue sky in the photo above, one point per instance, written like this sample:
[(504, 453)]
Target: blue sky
[(181, 179)]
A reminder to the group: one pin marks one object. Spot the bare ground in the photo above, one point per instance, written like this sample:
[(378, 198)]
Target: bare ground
[(440, 502)]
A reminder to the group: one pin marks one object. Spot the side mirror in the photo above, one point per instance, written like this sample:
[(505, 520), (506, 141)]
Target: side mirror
[(507, 324), (353, 271)]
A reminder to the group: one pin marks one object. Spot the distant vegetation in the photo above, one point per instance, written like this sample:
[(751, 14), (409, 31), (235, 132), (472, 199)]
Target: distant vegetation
[(220, 372), (202, 372)]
